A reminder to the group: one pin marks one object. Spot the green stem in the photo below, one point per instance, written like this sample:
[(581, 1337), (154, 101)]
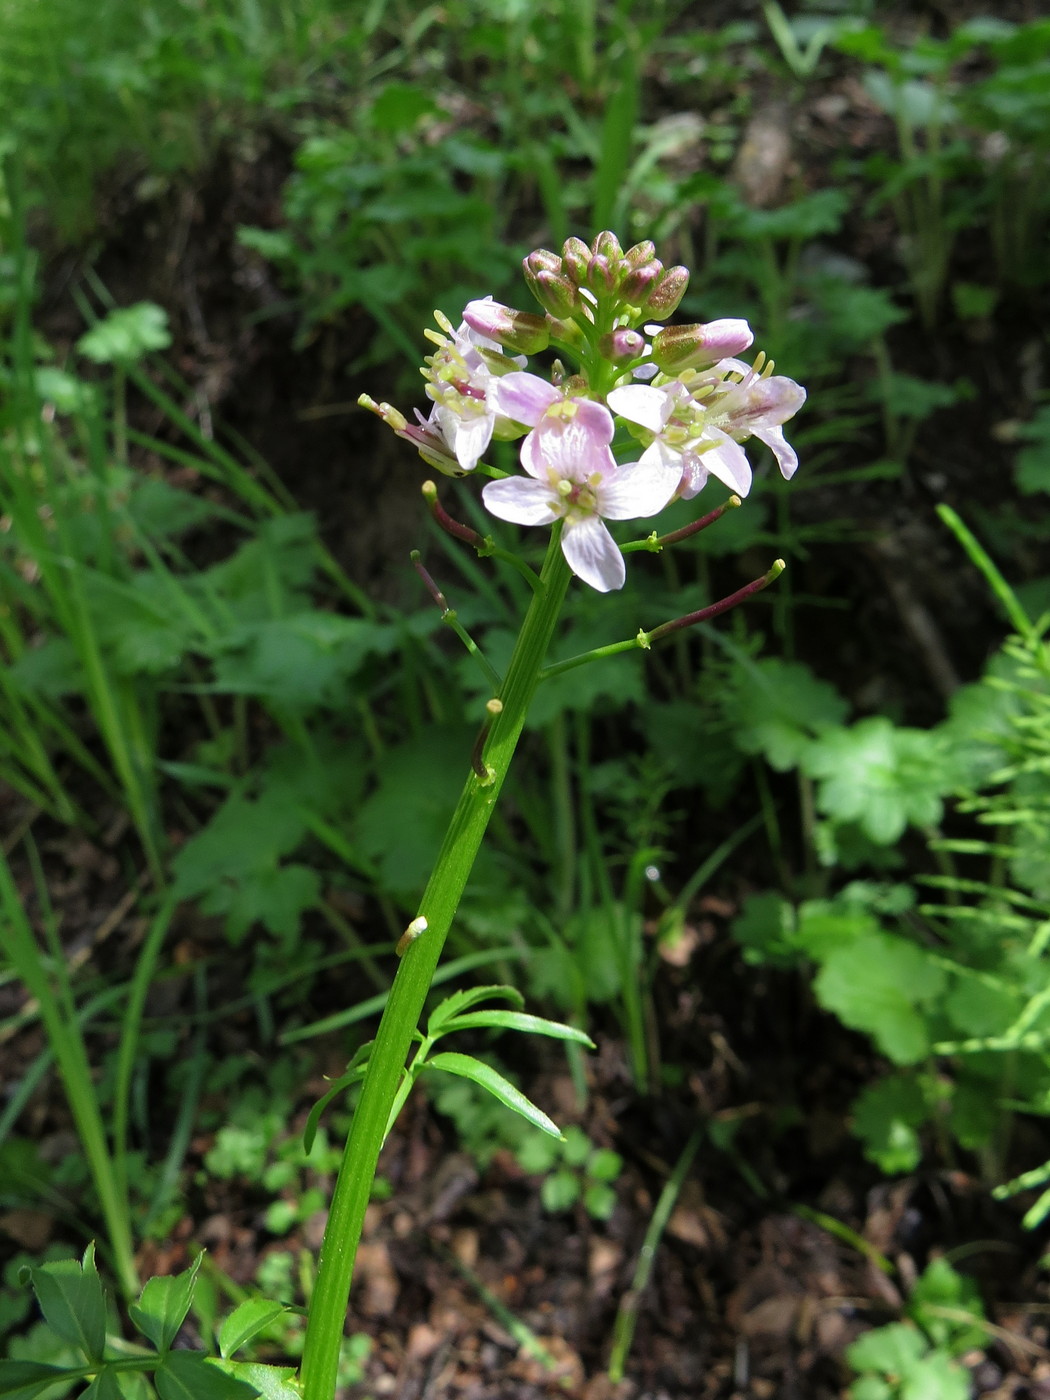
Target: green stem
[(324, 1329)]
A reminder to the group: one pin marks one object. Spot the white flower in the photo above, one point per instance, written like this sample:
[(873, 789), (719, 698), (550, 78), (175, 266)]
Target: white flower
[(573, 477), (460, 376), (697, 422)]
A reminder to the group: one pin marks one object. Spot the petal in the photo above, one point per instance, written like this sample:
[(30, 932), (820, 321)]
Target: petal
[(637, 490), (723, 458), (523, 502), (769, 402), (591, 553), (467, 436), (573, 448), (523, 397), (787, 458), (642, 404)]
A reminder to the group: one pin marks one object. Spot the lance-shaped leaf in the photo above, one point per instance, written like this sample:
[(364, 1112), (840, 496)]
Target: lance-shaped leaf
[(467, 1067), (458, 1002), (519, 1021)]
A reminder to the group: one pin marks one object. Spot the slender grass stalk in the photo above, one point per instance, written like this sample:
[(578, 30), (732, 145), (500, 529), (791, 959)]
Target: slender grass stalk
[(627, 1315), (438, 906), (47, 980)]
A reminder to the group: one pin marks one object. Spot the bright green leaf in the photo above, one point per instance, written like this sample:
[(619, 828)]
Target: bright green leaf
[(947, 1306), (875, 984), (453, 1006), (605, 1165), (599, 1200), (70, 1296), (246, 1321), (890, 1351), (560, 1191), (125, 335), (189, 1375), (271, 1382), (469, 1068), (520, 1021), (162, 1308)]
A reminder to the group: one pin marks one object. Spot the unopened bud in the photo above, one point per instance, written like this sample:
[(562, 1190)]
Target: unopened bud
[(685, 347), (638, 284), (555, 293), (641, 255), (520, 331), (601, 278), (607, 245), (621, 346), (542, 260), (575, 257), (668, 292)]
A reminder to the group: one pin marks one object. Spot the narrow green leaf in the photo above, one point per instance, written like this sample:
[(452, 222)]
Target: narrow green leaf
[(22, 1380), (71, 1299), (162, 1308), (467, 1067), (519, 1021), (460, 1001), (354, 1071), (190, 1375), (246, 1321)]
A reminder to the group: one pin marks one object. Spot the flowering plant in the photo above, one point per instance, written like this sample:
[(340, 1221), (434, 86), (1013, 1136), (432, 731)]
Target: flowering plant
[(632, 415)]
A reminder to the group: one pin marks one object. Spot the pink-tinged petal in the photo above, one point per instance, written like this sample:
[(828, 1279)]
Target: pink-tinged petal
[(592, 554), (523, 397), (574, 448), (727, 337), (726, 460), (787, 458), (694, 478), (769, 402), (638, 489), (520, 501), (649, 407)]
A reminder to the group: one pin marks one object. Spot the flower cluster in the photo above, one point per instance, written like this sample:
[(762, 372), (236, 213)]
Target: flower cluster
[(681, 393)]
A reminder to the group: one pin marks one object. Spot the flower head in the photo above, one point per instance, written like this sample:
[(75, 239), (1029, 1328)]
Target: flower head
[(459, 376), (573, 477), (697, 422)]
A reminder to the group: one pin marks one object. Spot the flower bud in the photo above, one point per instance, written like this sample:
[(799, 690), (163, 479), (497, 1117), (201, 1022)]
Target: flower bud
[(575, 257), (685, 347), (641, 255), (621, 346), (607, 245), (555, 293), (519, 331), (542, 260), (539, 261), (601, 278), (668, 292), (636, 286)]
